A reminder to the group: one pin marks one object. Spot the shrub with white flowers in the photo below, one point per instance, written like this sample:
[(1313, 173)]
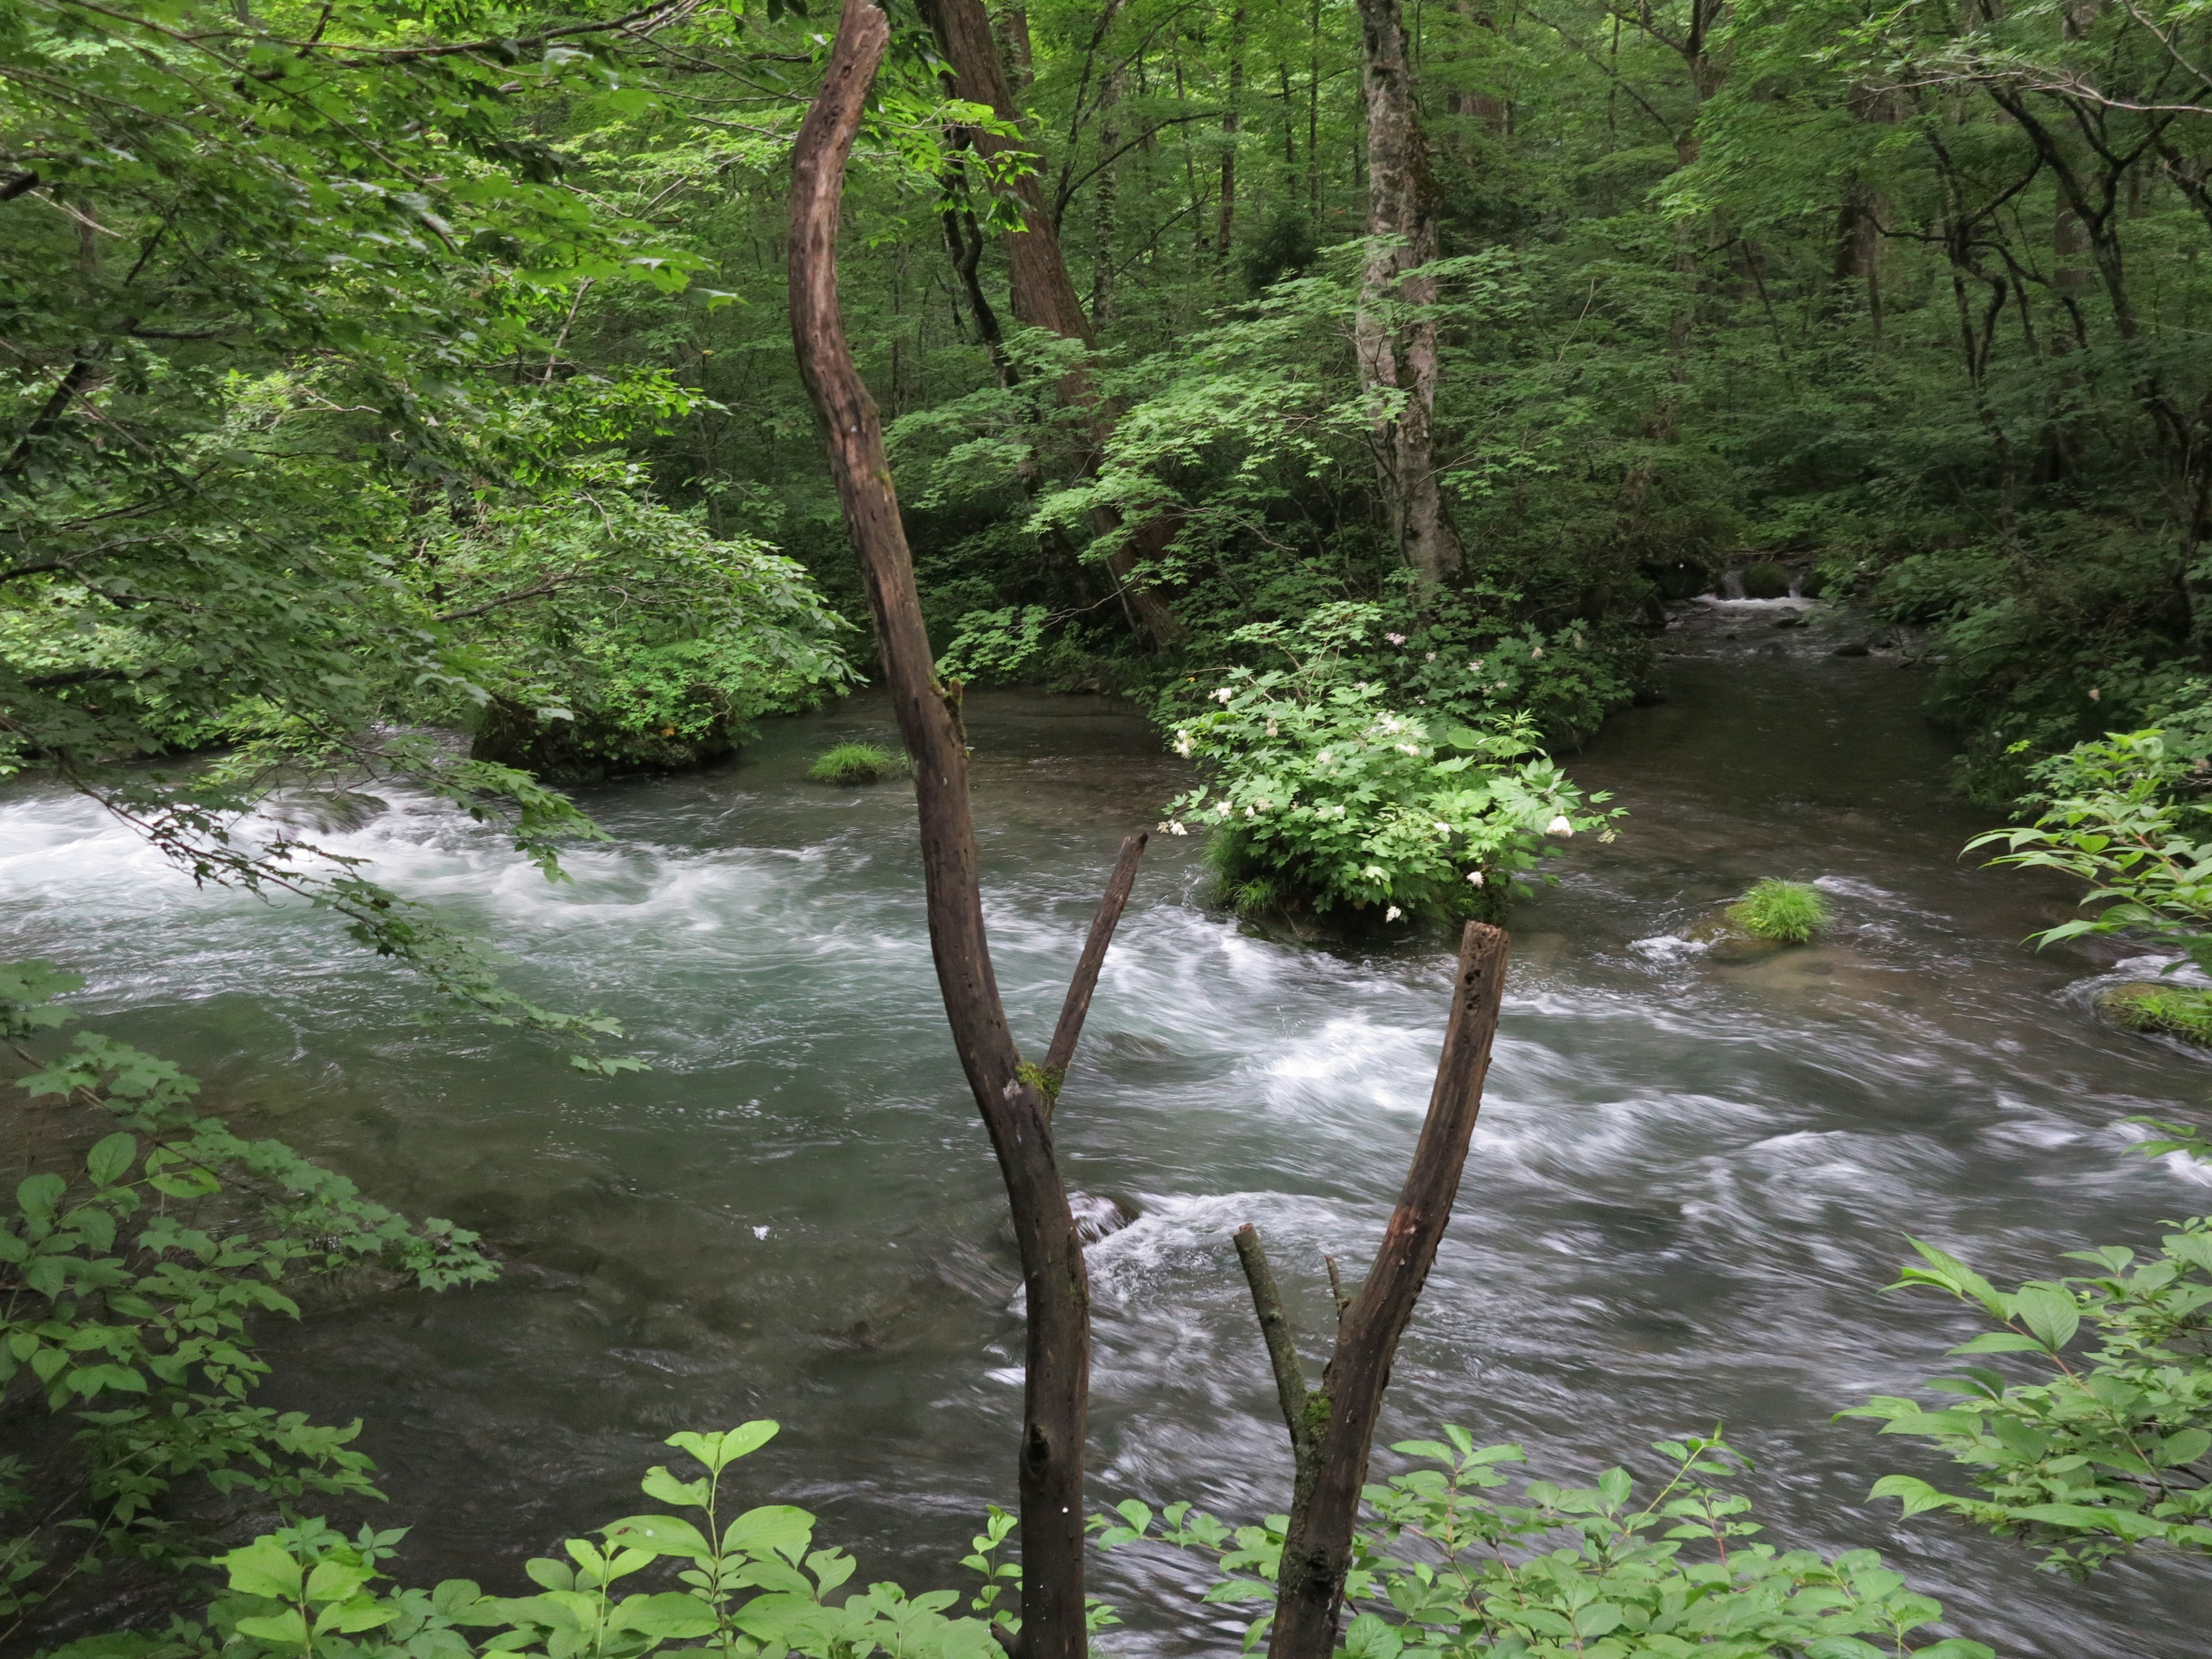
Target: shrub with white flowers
[(1324, 795)]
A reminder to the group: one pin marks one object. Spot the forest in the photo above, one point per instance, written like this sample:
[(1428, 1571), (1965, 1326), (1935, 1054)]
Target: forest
[(1553, 649)]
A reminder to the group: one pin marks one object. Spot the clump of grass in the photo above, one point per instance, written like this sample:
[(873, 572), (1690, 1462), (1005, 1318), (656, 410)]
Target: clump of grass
[(851, 762), (2177, 1010), (1766, 581), (1789, 912)]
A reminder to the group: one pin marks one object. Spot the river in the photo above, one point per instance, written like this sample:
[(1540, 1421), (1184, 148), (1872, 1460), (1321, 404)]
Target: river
[(1691, 1180)]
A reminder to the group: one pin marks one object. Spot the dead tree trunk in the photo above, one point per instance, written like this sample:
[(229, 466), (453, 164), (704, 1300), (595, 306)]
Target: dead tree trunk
[(1014, 1099), (1331, 1428), (1395, 331), (1043, 295)]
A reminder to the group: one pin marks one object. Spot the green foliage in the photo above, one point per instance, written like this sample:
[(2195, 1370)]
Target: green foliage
[(1789, 912), (292, 459), (1327, 792), (753, 1582), (851, 762), (2176, 1011), (2126, 813), (131, 1273), (1447, 1568), (2112, 1447)]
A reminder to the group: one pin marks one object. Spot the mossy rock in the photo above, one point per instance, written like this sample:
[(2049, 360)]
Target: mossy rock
[(2158, 1008), (1768, 580)]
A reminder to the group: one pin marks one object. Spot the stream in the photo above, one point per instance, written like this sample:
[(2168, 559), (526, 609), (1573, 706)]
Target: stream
[(1691, 1180)]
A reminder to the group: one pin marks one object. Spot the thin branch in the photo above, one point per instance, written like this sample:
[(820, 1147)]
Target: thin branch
[(1061, 1055), (1282, 1340)]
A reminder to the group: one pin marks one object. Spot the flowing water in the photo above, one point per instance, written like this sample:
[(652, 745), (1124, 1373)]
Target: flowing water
[(1691, 1180)]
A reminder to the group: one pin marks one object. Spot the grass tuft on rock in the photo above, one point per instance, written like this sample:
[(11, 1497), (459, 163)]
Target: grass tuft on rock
[(851, 762), (1788, 912), (2174, 1011)]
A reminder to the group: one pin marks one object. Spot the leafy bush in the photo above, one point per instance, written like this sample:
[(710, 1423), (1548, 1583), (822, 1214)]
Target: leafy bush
[(2115, 1449), (752, 1582), (1325, 794), (1789, 912), (851, 762), (129, 1276), (1447, 1569), (2127, 813)]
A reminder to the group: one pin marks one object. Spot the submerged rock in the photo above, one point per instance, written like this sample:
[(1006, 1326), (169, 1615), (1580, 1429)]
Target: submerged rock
[(1096, 1216)]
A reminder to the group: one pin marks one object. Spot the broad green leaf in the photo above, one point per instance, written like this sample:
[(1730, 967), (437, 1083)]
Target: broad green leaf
[(2051, 1315), (264, 1567), (775, 1526), (669, 1615), (718, 1451), (663, 1534), (111, 1158), (282, 1630)]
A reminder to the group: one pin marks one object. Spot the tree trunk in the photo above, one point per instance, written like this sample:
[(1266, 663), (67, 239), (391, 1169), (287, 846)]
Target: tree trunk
[(1397, 352), (1041, 294), (1107, 199), (1224, 242), (1332, 1429), (1013, 1099)]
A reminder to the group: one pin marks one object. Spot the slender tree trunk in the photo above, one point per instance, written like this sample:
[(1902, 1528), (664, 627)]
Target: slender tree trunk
[(1021, 58), (1332, 1429), (1313, 114), (1043, 296), (1395, 340), (1014, 1100), (1106, 200), (1224, 241)]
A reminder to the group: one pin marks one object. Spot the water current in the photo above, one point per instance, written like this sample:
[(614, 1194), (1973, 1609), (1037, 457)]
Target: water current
[(1691, 1180)]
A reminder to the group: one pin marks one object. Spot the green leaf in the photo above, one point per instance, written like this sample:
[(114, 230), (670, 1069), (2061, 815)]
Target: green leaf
[(658, 1483), (361, 1613), (718, 1451), (282, 1630), (335, 1580), (1917, 1494), (264, 1567), (2185, 1446), (775, 1526), (2051, 1315), (662, 1535), (670, 1616), (111, 1158), (37, 1195)]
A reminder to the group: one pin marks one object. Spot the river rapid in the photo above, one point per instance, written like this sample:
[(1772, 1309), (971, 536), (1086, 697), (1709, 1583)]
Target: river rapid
[(1691, 1180)]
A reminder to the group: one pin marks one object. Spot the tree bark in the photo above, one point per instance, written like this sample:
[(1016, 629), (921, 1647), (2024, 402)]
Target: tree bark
[(1397, 353), (1231, 122), (1042, 295), (1008, 1094), (1333, 1429)]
